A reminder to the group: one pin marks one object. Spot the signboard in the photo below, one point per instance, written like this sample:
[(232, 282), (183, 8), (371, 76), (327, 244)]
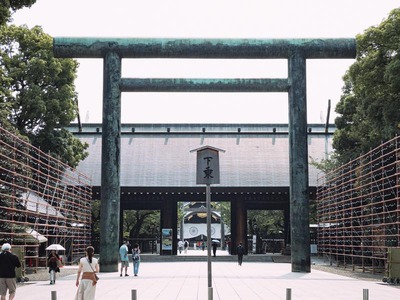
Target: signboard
[(207, 166), (166, 239)]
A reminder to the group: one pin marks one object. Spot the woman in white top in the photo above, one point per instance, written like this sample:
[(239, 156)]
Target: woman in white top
[(88, 267)]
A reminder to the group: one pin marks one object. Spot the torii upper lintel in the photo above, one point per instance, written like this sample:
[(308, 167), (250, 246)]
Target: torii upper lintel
[(90, 47)]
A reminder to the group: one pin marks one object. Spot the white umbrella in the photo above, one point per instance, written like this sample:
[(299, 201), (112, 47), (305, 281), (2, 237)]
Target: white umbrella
[(55, 247), (215, 241)]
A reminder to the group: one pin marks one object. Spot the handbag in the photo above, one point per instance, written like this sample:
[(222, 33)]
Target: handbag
[(59, 263), (95, 275)]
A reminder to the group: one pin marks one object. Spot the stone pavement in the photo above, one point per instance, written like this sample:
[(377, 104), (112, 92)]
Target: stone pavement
[(188, 280)]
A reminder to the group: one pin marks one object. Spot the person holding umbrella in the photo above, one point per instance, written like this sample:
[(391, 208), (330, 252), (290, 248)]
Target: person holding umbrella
[(53, 263)]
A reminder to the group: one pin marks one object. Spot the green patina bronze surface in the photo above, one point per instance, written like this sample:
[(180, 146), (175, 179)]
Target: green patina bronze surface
[(297, 51), (110, 164), (203, 85), (298, 165), (204, 48)]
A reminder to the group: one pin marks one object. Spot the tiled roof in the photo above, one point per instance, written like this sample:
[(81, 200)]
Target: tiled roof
[(158, 155)]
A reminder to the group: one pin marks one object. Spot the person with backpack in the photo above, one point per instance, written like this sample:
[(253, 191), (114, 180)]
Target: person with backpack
[(240, 252), (136, 259)]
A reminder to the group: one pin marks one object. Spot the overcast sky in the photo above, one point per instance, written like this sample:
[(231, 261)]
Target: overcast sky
[(208, 19)]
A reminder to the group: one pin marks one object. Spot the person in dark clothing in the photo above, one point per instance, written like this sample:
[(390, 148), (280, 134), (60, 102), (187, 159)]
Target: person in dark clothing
[(214, 248), (240, 252), (53, 262), (8, 280)]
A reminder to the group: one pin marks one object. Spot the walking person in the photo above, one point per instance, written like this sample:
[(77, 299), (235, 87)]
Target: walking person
[(240, 252), (181, 244), (123, 254), (88, 267), (136, 259), (214, 248), (186, 246), (8, 278), (53, 262)]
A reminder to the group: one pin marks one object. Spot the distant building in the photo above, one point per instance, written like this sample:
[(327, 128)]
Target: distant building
[(195, 223)]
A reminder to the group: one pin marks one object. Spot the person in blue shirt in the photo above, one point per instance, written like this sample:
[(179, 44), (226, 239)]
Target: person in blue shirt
[(123, 254)]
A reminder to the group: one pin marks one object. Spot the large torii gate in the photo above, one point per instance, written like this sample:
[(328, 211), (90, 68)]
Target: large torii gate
[(296, 51)]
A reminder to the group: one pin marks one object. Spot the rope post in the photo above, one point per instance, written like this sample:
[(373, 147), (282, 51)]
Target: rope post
[(134, 295), (365, 294), (288, 294), (53, 295), (210, 293)]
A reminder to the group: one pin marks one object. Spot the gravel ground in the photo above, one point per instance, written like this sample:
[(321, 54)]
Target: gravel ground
[(323, 264), (358, 274)]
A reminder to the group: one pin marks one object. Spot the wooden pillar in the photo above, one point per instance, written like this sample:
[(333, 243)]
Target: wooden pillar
[(169, 219), (238, 224), (110, 164)]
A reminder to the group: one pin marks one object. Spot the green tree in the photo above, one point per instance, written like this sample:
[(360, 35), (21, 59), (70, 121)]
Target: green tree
[(8, 7), (140, 223), (37, 92), (269, 223), (96, 203), (369, 109), (225, 209)]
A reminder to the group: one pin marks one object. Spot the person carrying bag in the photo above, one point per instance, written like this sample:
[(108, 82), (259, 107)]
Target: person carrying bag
[(88, 267)]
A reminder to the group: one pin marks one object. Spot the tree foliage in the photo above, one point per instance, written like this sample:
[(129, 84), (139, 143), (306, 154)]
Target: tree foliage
[(369, 109), (268, 223), (8, 7), (140, 224), (37, 92), (96, 203)]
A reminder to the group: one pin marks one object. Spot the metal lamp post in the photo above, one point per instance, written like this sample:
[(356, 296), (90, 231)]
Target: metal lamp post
[(208, 173)]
